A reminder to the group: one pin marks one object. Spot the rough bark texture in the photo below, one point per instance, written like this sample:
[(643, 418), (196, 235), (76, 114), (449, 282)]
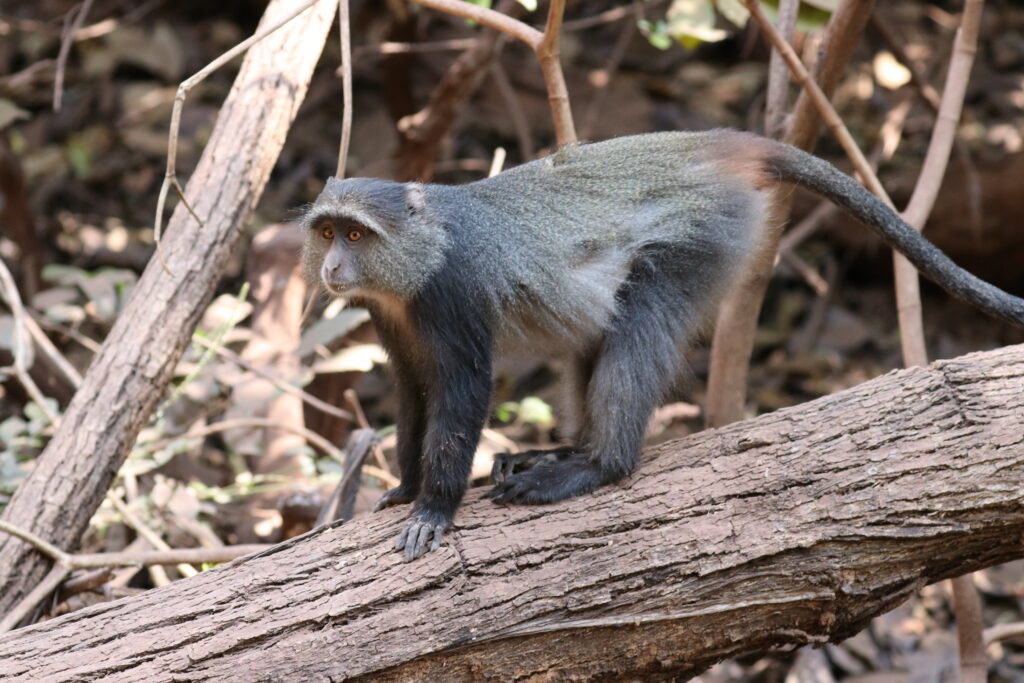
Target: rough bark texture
[(129, 374), (796, 527)]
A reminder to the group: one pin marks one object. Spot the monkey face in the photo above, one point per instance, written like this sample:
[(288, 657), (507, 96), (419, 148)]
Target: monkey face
[(343, 243), (367, 237)]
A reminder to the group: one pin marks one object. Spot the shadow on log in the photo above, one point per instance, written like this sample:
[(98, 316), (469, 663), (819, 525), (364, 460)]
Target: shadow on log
[(795, 527)]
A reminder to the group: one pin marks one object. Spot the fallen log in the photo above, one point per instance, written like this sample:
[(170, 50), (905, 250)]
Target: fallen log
[(795, 527)]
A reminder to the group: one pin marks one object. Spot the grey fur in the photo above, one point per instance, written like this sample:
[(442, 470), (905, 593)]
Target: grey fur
[(611, 255)]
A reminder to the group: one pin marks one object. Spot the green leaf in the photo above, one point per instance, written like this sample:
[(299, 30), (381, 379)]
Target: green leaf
[(79, 156), (535, 411), (530, 5), (531, 410), (506, 411)]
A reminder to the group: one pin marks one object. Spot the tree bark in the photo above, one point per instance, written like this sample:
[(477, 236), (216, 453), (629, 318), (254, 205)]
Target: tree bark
[(137, 360), (795, 527)]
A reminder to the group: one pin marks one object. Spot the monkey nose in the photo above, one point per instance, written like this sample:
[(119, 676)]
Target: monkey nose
[(333, 276)]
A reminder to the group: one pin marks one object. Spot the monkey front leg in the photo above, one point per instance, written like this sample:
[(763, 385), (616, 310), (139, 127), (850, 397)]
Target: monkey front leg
[(457, 409), (412, 421)]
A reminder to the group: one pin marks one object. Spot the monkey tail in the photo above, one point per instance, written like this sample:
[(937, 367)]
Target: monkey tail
[(796, 166)]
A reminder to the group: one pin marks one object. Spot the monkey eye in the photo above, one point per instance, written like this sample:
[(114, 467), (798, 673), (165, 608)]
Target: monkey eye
[(327, 232), (354, 235)]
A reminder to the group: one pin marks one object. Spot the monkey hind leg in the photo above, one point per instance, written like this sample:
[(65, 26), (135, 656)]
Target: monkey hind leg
[(638, 361)]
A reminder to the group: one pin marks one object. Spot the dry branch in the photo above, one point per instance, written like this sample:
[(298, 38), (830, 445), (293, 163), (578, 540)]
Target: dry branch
[(796, 527), (128, 376), (544, 45)]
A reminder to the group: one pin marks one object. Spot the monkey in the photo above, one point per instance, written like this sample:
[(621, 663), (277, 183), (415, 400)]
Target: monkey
[(610, 255)]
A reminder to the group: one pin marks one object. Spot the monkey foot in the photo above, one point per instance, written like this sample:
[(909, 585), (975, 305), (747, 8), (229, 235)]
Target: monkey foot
[(559, 475), (395, 496), (507, 464), (416, 537)]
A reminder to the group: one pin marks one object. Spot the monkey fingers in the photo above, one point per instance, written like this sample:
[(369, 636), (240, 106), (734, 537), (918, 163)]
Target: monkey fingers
[(507, 464), (417, 534), (395, 496), (551, 480)]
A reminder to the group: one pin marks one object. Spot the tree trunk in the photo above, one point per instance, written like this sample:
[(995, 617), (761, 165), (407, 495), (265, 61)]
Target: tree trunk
[(130, 373), (795, 527)]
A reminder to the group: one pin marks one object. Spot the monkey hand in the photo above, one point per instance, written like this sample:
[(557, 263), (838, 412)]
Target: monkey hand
[(395, 496), (422, 533)]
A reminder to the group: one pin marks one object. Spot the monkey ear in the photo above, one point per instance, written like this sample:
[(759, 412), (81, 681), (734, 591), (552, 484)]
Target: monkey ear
[(415, 198)]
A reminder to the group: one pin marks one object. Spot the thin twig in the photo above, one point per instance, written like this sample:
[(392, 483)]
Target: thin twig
[(487, 17), (36, 70), (22, 346), (737, 319), (67, 39), (357, 408), (45, 547), (84, 341), (393, 48), (932, 98), (148, 558), (778, 75), (86, 581), (131, 558), (344, 29), (549, 54), (545, 46), (497, 162), (50, 351), (1012, 631), (806, 271)]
